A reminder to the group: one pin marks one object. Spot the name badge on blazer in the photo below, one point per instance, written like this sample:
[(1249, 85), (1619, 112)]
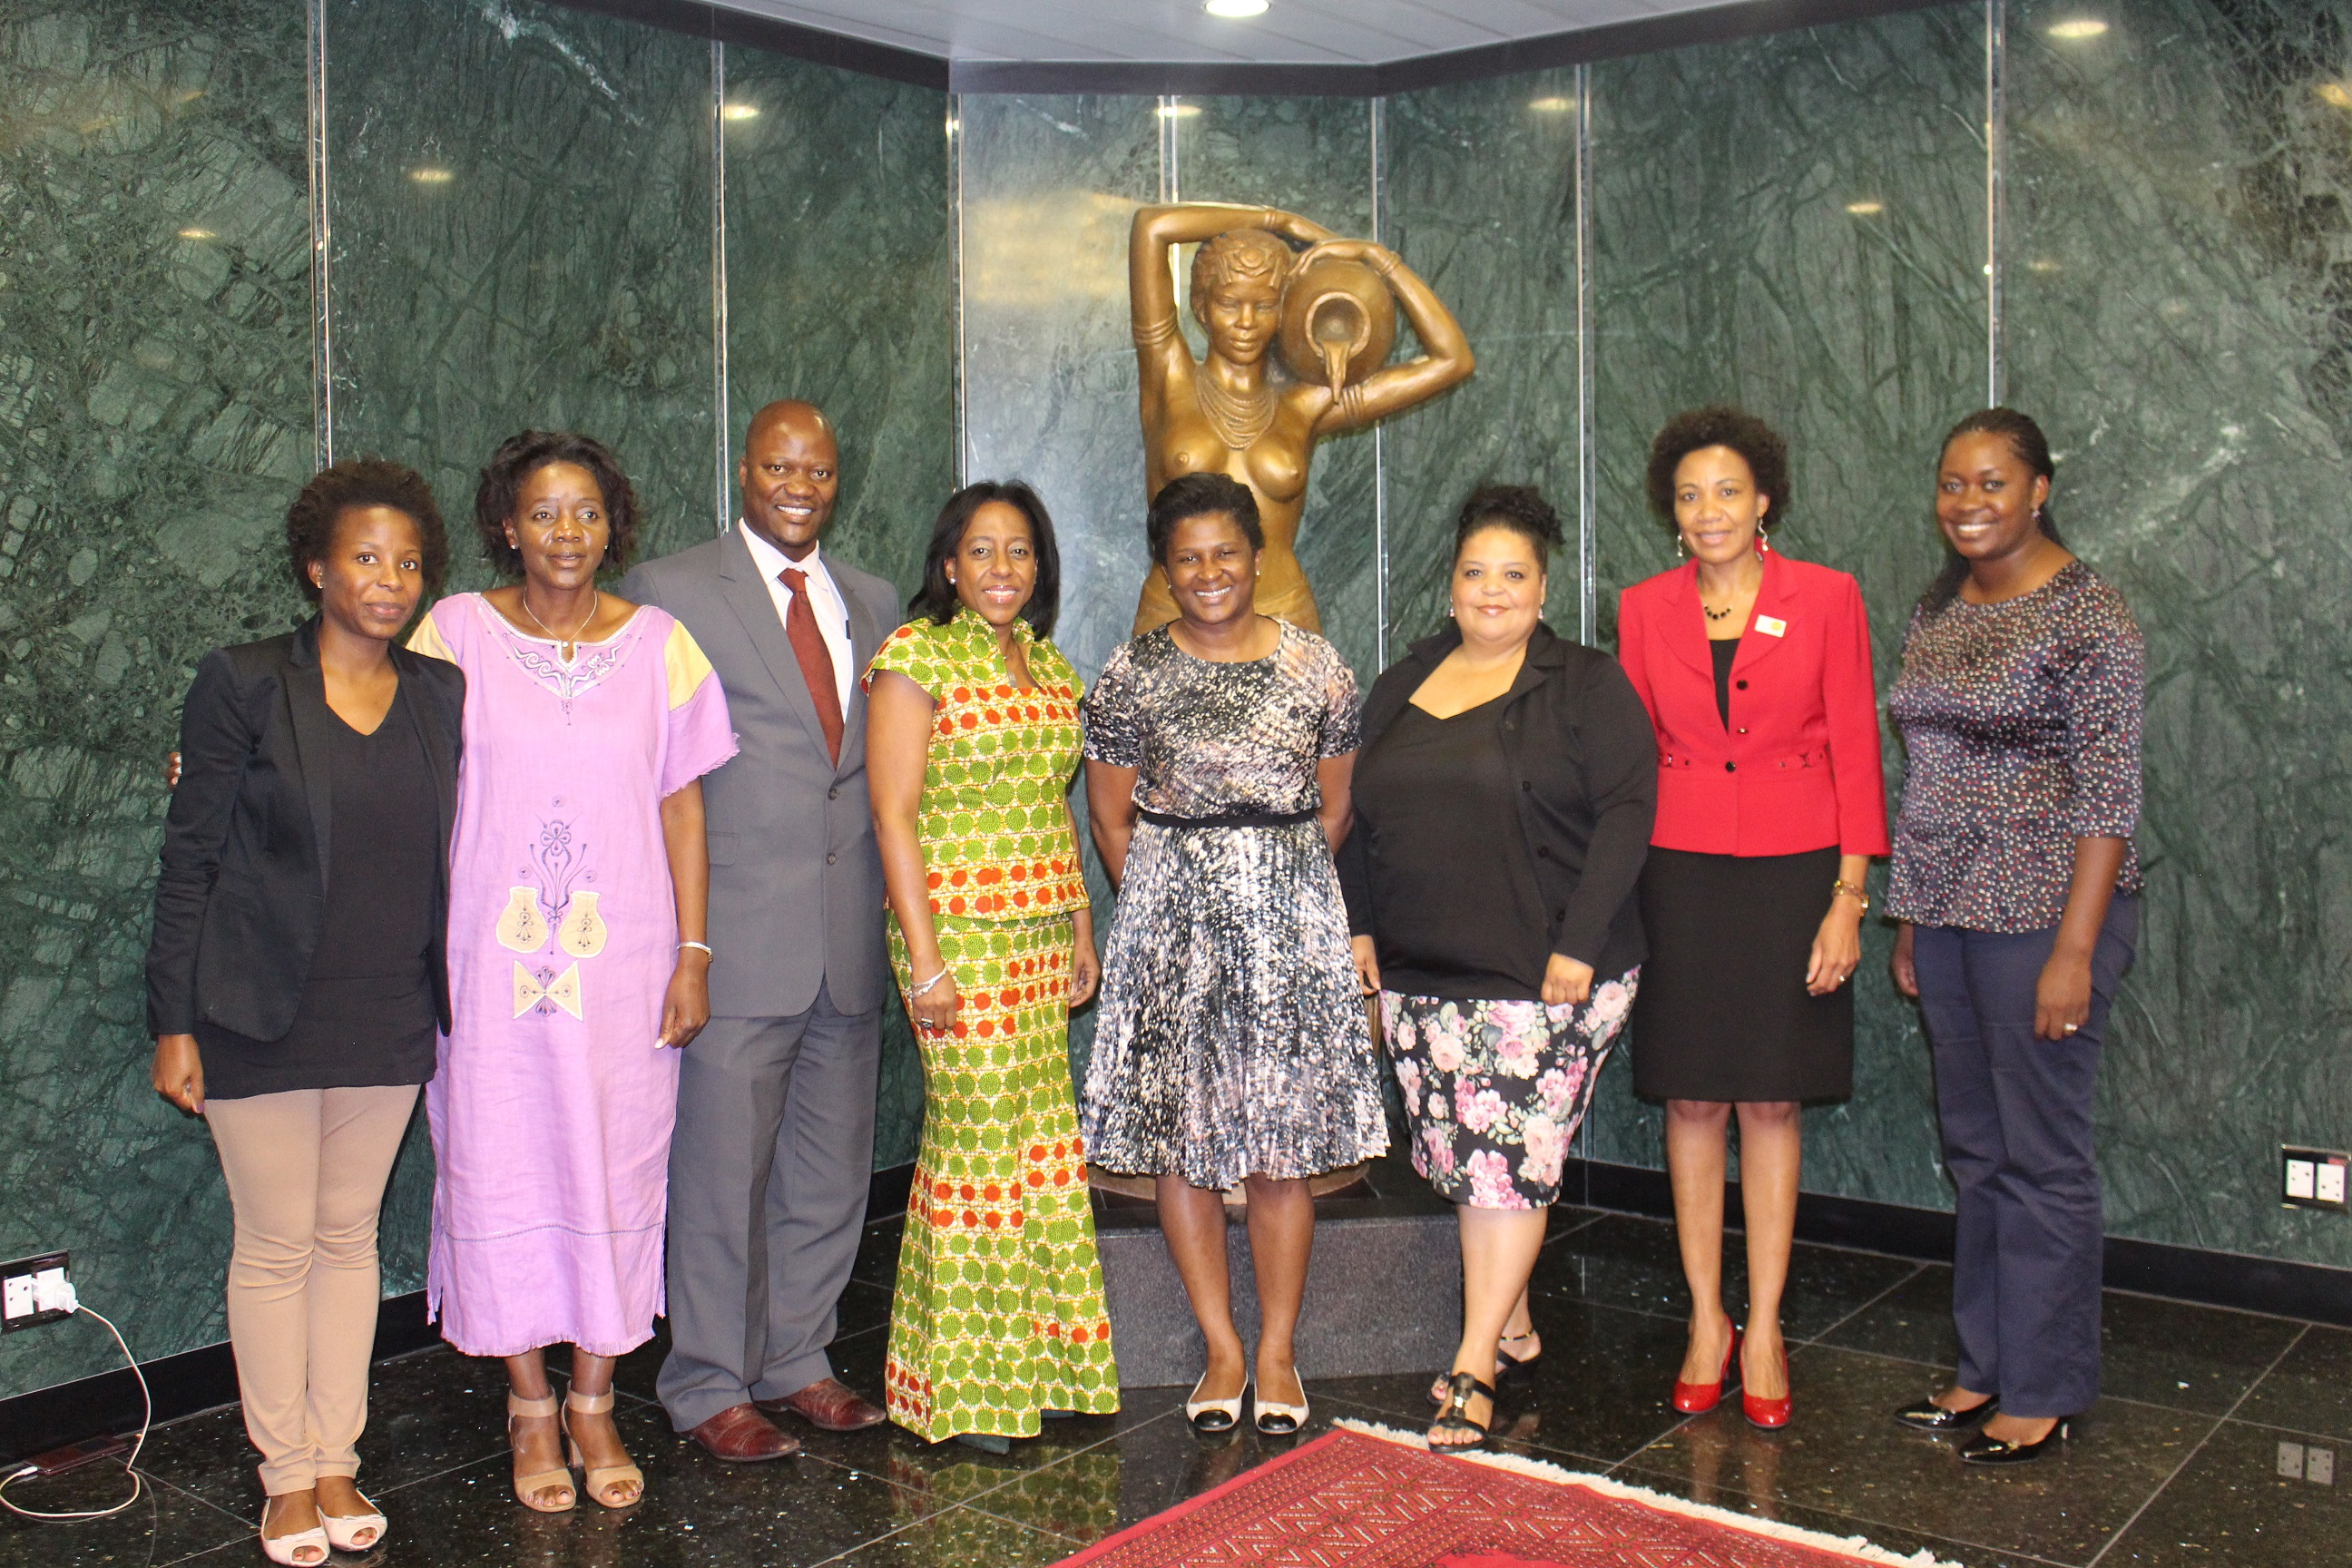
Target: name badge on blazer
[(1772, 625)]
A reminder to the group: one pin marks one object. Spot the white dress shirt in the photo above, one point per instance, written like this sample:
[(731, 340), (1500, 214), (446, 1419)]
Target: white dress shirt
[(832, 611)]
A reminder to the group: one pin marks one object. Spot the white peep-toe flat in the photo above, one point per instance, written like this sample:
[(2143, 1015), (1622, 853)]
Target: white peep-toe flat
[(344, 1531), (290, 1551)]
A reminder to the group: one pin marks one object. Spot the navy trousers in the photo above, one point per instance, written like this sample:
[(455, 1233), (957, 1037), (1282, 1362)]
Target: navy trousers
[(2017, 1113)]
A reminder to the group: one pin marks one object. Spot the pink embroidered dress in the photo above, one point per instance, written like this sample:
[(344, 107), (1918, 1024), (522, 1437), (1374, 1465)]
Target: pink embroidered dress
[(552, 1106)]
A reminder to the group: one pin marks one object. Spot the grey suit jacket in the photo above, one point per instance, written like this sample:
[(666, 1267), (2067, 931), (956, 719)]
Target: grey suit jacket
[(795, 877)]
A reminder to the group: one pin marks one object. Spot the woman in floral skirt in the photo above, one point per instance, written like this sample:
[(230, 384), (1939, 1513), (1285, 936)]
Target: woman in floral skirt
[(971, 740), (1504, 797)]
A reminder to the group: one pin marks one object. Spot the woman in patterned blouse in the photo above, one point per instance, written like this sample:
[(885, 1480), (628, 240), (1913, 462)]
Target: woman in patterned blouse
[(971, 740), (2016, 884)]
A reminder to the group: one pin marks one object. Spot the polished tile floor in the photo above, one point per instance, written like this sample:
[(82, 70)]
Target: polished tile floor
[(2224, 1437)]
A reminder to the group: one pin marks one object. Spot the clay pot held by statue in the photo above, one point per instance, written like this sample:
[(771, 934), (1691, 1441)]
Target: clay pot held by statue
[(1338, 323)]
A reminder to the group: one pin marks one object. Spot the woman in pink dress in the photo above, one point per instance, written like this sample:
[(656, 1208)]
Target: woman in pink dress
[(578, 957)]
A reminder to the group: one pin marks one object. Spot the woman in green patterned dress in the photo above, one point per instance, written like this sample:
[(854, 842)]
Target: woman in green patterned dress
[(971, 740)]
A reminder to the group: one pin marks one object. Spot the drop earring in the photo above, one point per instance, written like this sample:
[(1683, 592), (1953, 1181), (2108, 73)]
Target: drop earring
[(1682, 551), (1763, 544)]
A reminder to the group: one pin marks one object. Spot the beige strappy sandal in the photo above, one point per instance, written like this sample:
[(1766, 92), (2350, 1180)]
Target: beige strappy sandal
[(528, 1487), (602, 1477)]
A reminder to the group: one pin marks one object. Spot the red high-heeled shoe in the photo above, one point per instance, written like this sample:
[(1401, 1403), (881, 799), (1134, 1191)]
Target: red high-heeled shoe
[(1697, 1398), (1770, 1414)]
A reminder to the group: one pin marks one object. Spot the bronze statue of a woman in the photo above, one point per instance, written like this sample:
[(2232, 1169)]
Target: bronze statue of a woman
[(1231, 411)]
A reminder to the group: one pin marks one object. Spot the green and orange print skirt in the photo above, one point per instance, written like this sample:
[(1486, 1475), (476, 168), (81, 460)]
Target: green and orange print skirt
[(999, 1313)]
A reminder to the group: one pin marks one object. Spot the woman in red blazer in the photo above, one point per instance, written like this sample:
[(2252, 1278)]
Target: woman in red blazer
[(1756, 671)]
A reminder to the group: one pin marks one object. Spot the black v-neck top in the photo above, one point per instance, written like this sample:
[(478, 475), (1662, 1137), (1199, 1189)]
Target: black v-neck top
[(1724, 652), (1462, 902), (365, 1019)]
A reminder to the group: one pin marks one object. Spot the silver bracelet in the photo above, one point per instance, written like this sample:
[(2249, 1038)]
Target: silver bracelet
[(926, 985), (701, 947)]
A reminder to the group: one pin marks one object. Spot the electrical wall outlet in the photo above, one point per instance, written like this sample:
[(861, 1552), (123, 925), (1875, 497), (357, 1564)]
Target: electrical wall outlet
[(2314, 1178), (29, 1289)]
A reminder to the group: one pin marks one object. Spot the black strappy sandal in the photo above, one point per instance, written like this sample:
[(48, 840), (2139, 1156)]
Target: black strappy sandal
[(1460, 1390)]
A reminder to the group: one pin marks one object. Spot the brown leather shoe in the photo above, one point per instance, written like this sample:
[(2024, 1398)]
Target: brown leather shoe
[(740, 1434), (830, 1406)]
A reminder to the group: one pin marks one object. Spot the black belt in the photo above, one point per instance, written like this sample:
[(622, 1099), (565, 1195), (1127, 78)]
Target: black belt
[(1232, 819)]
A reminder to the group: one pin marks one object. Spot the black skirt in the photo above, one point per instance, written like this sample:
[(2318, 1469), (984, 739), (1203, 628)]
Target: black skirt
[(1723, 1013)]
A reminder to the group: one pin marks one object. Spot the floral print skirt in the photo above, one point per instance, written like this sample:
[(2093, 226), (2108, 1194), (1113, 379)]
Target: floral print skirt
[(1495, 1090)]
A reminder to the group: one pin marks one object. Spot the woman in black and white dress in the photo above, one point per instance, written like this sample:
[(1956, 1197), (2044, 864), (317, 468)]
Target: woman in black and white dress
[(1232, 1048)]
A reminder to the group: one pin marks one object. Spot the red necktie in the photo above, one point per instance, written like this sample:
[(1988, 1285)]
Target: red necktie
[(816, 659)]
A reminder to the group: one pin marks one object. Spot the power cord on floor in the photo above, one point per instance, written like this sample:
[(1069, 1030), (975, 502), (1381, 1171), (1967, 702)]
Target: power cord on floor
[(69, 1301)]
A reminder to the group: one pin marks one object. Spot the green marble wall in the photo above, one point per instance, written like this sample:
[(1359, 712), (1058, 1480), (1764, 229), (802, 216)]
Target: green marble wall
[(154, 421), (1481, 189), (1728, 263), (2180, 218), (1796, 222)]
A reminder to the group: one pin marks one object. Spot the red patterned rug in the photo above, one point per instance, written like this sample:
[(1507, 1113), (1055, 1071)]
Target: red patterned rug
[(1365, 1500)]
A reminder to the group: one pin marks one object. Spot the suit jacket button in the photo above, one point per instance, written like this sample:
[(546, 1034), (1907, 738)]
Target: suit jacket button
[(831, 859), (835, 792), (1743, 729), (1741, 684), (1731, 767), (1525, 787), (1543, 851)]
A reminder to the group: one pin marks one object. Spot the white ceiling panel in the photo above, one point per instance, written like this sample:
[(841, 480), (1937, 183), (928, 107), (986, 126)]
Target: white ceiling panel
[(1291, 32)]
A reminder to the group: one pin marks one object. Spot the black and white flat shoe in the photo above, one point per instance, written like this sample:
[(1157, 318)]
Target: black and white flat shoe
[(1214, 1415), (1275, 1419)]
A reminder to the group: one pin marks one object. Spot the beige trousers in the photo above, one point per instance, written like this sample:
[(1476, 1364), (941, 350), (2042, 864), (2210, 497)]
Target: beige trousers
[(306, 1173)]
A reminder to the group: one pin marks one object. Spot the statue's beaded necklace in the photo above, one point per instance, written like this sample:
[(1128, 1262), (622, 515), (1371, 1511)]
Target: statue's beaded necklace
[(1239, 420)]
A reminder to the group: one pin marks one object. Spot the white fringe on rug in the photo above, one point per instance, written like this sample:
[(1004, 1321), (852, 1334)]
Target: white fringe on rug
[(1853, 1546)]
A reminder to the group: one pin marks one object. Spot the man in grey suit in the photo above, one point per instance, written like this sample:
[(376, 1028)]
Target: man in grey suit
[(775, 1109)]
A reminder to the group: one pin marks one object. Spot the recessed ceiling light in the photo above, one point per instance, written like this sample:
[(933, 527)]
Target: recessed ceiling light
[(431, 176), (741, 111), (196, 233), (2337, 93), (2078, 29), (1865, 209), (1234, 8), (1554, 105), (1178, 110), (2041, 264)]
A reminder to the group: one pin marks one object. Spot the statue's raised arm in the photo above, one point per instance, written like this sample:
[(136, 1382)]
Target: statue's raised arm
[(1331, 309)]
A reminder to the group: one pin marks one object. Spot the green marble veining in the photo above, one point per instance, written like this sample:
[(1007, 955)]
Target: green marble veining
[(1796, 223), (154, 421), (1480, 198), (1312, 156), (1048, 187), (2181, 206), (840, 289), (520, 206)]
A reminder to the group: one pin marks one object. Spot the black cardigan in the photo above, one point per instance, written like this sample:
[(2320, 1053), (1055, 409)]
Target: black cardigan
[(242, 895), (1587, 760)]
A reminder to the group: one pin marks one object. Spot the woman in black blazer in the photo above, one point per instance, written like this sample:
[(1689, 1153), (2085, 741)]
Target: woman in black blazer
[(1503, 797), (294, 979)]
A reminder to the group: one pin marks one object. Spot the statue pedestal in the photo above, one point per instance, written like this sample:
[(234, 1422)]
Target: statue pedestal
[(1383, 1293)]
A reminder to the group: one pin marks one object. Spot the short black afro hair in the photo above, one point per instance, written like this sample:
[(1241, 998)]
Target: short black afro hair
[(1201, 495), (357, 482), (520, 456), (1719, 425), (1519, 508)]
